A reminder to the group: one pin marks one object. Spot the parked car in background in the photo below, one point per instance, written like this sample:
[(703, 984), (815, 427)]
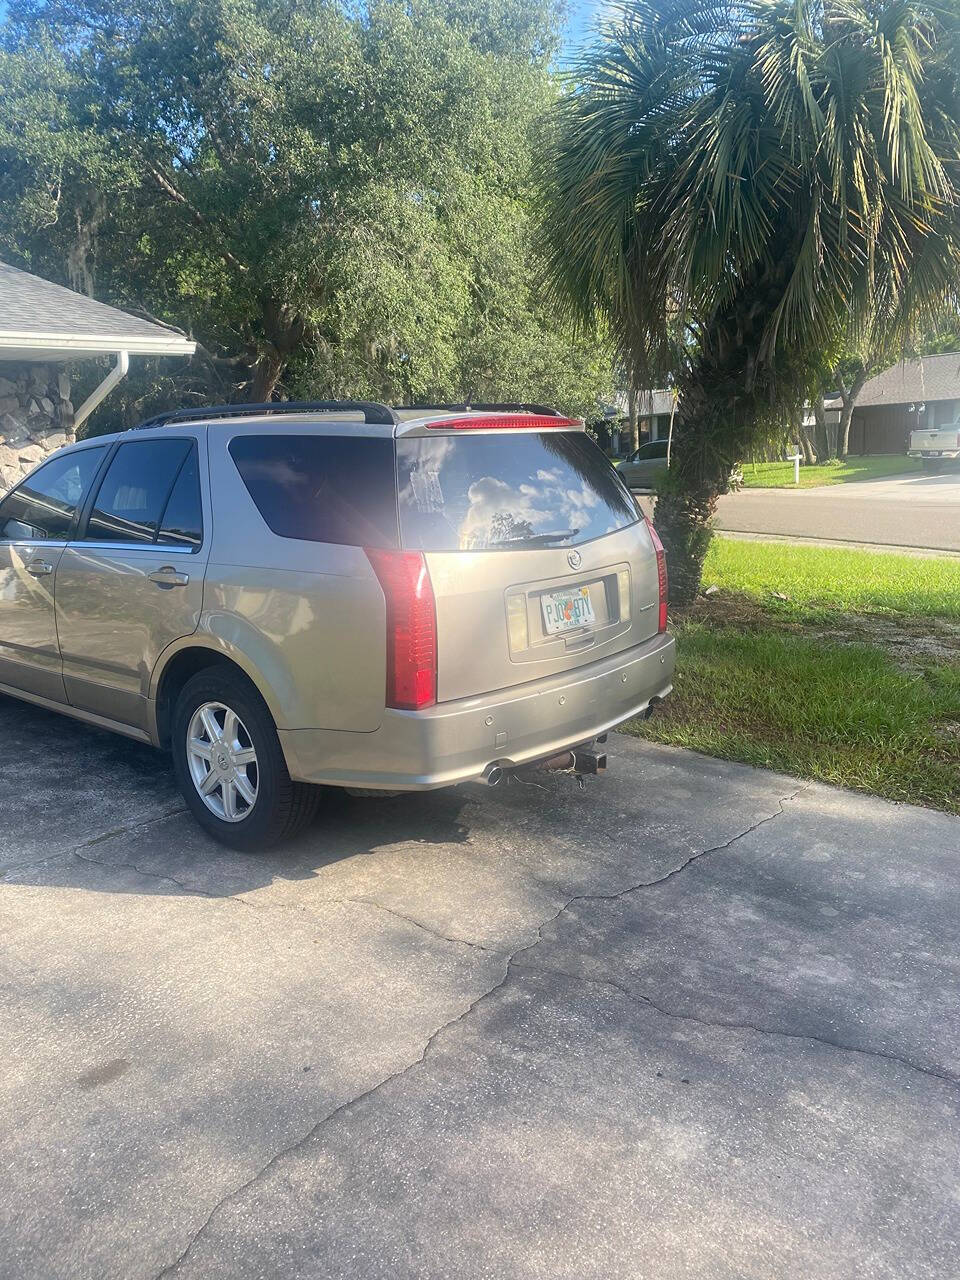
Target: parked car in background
[(643, 469), (347, 595), (935, 445)]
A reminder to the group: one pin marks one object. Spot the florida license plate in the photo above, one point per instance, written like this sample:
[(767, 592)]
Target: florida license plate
[(567, 610)]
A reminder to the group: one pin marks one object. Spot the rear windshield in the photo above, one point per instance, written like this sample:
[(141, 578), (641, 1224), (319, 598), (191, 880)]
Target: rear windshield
[(486, 492), (322, 488)]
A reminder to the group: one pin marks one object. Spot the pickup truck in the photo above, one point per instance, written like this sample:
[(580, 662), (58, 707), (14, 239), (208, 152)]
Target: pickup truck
[(935, 445)]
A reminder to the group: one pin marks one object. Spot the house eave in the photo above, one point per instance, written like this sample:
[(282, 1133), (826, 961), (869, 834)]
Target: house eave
[(21, 345)]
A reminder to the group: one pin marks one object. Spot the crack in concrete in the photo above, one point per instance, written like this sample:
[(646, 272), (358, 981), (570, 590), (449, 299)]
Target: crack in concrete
[(724, 1024), (175, 1265), (172, 1267), (163, 877), (91, 843), (133, 826), (669, 875), (240, 899), (587, 897), (418, 924)]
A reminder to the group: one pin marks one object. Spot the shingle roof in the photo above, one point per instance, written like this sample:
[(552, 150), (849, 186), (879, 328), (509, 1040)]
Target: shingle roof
[(41, 320), (929, 378)]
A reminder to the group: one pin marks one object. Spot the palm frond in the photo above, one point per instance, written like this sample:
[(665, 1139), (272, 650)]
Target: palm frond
[(794, 164)]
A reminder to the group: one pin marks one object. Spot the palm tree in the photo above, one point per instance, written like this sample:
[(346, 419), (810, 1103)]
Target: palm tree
[(744, 189)]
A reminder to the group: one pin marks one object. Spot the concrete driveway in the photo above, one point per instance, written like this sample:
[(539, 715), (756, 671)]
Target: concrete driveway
[(902, 511), (693, 1021)]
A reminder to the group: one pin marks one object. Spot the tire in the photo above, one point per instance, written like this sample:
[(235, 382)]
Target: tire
[(280, 807)]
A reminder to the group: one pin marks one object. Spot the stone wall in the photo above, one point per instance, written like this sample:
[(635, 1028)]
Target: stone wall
[(36, 417)]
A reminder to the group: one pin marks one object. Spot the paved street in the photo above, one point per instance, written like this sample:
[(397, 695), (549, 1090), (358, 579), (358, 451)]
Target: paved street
[(695, 1020), (907, 511)]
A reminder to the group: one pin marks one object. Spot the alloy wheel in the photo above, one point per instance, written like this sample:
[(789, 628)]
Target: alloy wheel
[(222, 761)]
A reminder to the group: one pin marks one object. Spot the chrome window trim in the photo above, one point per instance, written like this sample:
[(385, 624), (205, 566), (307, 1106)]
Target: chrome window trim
[(155, 548), (32, 542)]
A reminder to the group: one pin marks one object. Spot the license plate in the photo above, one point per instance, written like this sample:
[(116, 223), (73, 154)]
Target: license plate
[(933, 453), (566, 610)]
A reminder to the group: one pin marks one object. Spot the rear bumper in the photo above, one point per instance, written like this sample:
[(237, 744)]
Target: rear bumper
[(946, 454), (455, 741)]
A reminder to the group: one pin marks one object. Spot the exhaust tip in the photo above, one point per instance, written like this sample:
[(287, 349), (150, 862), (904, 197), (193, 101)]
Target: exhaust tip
[(493, 775)]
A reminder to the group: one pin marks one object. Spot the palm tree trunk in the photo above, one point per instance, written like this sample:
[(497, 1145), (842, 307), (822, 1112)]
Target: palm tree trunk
[(706, 447), (722, 408), (718, 412), (683, 523)]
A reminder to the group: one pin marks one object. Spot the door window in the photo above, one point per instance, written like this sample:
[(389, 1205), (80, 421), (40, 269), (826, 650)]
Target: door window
[(655, 449), (182, 522), (43, 507), (135, 491)]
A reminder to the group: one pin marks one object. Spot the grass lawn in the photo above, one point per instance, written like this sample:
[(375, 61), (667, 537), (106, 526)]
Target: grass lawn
[(818, 580), (779, 475), (855, 680)]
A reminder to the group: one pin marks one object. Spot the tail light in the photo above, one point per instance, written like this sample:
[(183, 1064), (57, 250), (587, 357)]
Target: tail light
[(411, 628), (504, 421), (661, 575)]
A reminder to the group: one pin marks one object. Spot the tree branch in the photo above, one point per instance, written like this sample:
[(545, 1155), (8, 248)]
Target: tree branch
[(167, 187)]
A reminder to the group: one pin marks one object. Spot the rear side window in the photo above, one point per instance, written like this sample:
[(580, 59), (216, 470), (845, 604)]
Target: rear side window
[(656, 449), (135, 491), (497, 492), (43, 507), (339, 489)]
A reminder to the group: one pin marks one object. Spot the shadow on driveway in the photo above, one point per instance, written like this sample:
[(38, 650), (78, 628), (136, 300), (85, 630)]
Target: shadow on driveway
[(693, 1020)]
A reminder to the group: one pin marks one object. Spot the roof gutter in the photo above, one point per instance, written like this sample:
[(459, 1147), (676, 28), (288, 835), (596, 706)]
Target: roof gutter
[(85, 345), (102, 390)]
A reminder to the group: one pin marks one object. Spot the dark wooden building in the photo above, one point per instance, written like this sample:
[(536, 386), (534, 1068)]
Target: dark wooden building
[(923, 392)]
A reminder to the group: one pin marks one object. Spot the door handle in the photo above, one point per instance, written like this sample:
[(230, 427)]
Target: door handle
[(39, 568), (168, 577)]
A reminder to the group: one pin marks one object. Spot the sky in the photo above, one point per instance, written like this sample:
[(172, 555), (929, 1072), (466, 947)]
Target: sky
[(583, 14)]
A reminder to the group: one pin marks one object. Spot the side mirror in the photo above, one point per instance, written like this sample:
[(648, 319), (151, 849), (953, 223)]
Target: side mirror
[(16, 531)]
